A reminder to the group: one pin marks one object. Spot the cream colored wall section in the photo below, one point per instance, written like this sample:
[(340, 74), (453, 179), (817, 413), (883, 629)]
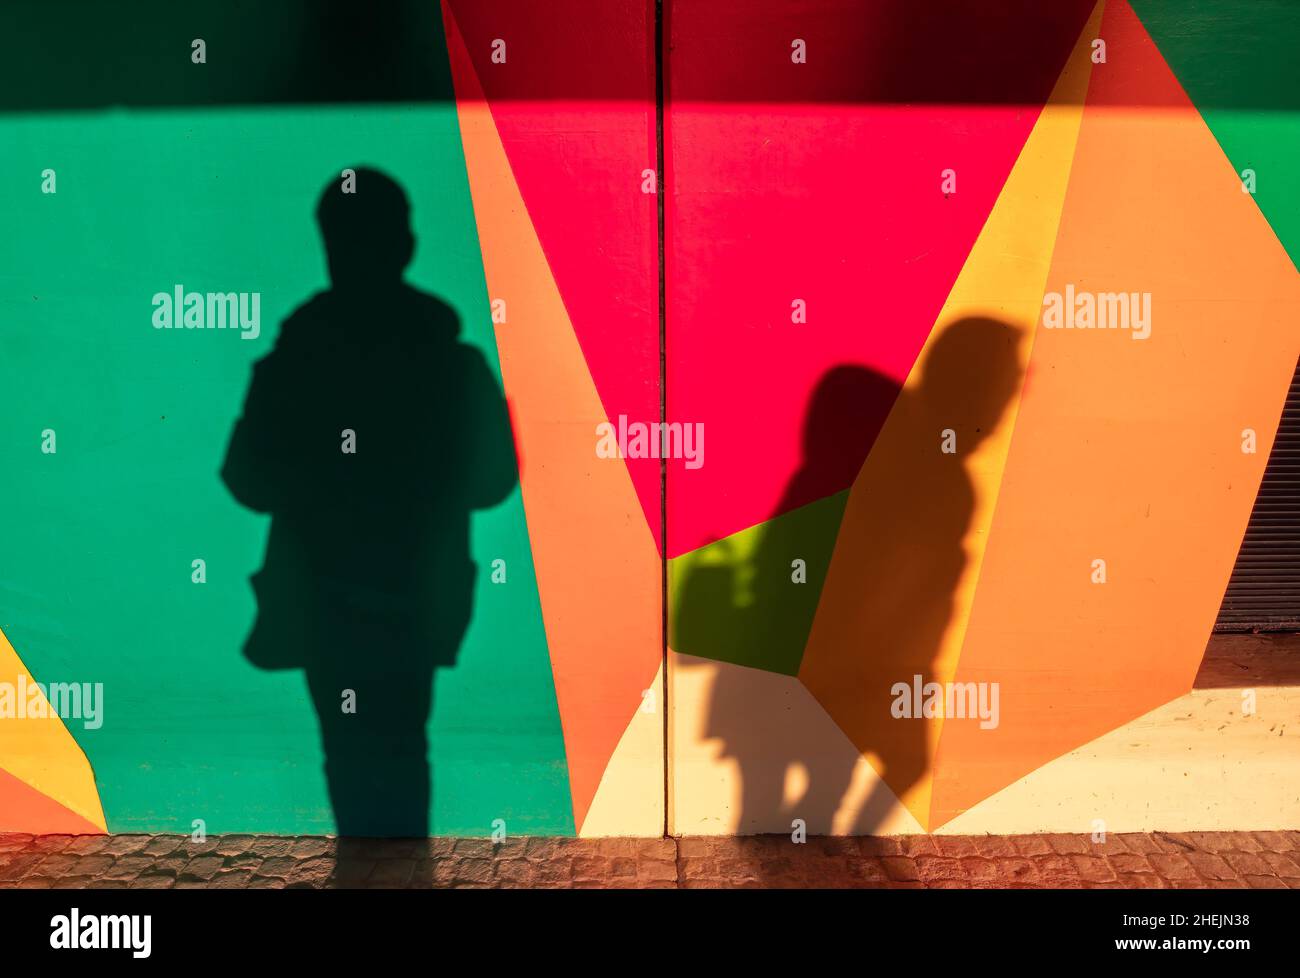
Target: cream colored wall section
[(1196, 764), (751, 751), (630, 798)]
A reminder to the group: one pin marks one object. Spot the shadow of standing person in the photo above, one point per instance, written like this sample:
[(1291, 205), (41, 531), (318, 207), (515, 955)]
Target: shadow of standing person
[(369, 434)]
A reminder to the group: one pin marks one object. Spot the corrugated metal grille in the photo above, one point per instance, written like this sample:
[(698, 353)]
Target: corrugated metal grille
[(1264, 591)]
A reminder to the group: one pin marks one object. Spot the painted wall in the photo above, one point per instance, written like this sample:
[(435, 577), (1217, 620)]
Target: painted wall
[(912, 477), (538, 723), (833, 302)]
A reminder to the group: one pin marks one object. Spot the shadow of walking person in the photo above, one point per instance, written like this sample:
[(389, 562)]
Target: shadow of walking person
[(888, 612), (369, 434), (880, 573), (743, 605)]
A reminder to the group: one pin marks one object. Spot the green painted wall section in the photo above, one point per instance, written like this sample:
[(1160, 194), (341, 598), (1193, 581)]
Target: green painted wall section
[(95, 582), (736, 600)]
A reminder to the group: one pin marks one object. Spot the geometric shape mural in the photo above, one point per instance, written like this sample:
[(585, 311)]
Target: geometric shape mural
[(872, 272), (1128, 451), (1069, 447)]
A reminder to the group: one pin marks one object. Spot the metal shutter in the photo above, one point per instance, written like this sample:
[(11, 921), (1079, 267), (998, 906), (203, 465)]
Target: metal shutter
[(1264, 591)]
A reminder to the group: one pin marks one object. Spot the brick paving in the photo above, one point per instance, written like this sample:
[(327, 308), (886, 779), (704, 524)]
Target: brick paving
[(1141, 860)]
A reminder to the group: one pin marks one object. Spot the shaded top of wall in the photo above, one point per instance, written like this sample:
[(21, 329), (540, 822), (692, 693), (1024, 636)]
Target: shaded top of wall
[(86, 54)]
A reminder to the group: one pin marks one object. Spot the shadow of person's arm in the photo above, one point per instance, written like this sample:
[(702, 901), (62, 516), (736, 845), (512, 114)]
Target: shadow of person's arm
[(258, 467), (493, 469)]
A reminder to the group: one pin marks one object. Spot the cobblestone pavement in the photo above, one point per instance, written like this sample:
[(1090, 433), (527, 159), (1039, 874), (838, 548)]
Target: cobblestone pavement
[(1155, 860)]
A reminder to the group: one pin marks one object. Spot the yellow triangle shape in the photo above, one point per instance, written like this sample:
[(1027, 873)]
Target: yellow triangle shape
[(41, 752)]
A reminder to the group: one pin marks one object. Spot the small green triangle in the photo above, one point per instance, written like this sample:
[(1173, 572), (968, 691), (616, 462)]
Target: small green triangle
[(741, 598)]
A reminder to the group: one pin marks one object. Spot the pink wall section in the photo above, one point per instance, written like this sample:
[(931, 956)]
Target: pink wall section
[(815, 181)]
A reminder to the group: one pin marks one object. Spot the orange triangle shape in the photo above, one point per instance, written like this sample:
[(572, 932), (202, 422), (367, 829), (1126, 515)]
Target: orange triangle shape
[(24, 809), (597, 564)]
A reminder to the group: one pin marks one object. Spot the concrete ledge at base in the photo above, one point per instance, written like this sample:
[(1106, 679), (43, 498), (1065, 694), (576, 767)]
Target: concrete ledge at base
[(1156, 860)]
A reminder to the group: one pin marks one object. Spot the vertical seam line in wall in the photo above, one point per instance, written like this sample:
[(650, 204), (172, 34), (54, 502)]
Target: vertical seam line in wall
[(661, 84)]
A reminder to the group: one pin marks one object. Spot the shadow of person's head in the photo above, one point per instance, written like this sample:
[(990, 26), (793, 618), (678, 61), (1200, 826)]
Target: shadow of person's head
[(970, 375), (844, 415), (365, 220)]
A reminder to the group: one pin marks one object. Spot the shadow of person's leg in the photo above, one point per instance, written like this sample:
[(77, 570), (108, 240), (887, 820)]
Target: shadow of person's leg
[(374, 710)]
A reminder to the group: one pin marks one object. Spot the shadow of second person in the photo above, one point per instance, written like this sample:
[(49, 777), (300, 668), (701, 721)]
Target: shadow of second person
[(369, 434), (906, 556), (886, 567)]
